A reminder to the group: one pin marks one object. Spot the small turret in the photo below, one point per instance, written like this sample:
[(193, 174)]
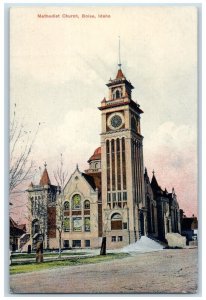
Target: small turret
[(45, 177)]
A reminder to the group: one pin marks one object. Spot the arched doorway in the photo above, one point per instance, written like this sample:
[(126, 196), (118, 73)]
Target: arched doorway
[(116, 221), (141, 218)]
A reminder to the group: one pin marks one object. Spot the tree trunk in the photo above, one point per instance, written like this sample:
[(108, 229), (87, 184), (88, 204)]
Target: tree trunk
[(39, 252), (103, 246), (60, 243)]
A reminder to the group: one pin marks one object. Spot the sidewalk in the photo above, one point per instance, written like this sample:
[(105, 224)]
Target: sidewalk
[(50, 258)]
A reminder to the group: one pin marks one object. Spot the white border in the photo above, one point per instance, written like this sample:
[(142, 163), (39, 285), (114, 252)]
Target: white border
[(202, 187)]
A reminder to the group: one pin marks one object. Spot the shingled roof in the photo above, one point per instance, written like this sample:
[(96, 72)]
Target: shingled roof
[(96, 155), (155, 186), (16, 229), (90, 180), (45, 178), (120, 74)]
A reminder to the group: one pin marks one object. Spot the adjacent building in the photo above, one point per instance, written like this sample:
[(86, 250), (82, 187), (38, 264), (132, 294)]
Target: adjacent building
[(16, 231), (189, 228)]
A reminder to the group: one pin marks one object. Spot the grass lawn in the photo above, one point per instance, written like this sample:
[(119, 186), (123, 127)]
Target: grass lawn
[(24, 268), (33, 255)]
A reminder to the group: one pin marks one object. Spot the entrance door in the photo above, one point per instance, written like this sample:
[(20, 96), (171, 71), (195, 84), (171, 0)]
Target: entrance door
[(141, 223)]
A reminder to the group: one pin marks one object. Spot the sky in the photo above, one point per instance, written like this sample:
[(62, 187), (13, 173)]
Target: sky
[(59, 68)]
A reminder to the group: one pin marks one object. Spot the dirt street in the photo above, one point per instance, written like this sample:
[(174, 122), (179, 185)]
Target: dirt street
[(166, 271)]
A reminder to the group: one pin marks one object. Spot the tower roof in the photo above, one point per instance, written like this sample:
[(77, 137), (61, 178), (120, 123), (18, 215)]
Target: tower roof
[(45, 178), (120, 74), (120, 79), (154, 184), (96, 155)]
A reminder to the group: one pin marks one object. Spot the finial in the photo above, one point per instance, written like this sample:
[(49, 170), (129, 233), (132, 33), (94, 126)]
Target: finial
[(119, 63), (77, 167), (153, 172), (45, 165), (145, 171)]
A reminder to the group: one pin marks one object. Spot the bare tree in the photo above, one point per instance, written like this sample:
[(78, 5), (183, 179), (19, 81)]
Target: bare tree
[(60, 176), (37, 210), (21, 143)]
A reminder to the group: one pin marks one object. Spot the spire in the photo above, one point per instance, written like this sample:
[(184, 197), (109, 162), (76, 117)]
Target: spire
[(119, 62), (45, 177), (119, 73), (154, 184)]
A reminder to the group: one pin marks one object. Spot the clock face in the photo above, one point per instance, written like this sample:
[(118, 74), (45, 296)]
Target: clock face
[(116, 121)]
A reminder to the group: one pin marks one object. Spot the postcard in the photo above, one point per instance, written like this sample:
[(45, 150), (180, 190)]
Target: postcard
[(103, 149)]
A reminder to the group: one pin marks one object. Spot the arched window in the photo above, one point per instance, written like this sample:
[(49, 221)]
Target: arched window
[(86, 204), (118, 166), (134, 123), (66, 224), (87, 226), (66, 205), (117, 94), (116, 222), (76, 201), (124, 166), (113, 165)]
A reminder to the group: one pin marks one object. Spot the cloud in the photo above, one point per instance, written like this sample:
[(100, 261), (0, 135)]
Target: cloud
[(76, 136), (172, 153)]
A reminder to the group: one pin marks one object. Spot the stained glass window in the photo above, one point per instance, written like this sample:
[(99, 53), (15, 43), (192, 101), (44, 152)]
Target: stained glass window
[(86, 204), (76, 202), (87, 224), (66, 205), (66, 224), (77, 224)]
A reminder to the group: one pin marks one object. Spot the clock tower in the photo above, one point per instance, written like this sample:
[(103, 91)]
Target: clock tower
[(123, 196)]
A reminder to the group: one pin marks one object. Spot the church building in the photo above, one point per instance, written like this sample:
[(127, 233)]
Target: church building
[(114, 197)]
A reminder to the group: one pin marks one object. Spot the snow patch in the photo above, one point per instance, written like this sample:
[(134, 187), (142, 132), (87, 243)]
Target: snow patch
[(145, 244)]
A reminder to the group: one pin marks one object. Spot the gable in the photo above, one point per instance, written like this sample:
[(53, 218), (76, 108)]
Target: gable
[(80, 182)]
